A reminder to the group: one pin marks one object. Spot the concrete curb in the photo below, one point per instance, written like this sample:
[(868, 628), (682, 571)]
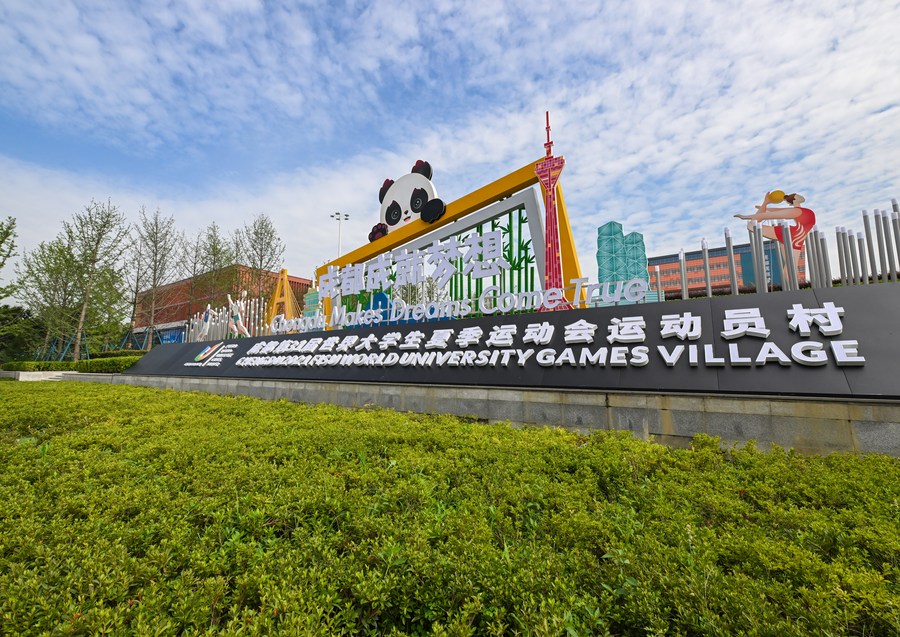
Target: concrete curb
[(34, 376)]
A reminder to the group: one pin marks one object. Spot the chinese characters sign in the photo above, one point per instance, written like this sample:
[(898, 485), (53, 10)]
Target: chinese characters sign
[(823, 342), (481, 255)]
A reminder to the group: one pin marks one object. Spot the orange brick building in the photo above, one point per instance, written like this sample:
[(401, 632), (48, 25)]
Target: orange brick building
[(179, 301)]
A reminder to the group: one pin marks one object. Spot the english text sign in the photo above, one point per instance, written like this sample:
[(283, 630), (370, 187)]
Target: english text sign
[(826, 342)]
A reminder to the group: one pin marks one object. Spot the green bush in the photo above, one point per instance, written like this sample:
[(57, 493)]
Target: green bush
[(106, 365), (38, 366), (119, 352), (113, 353), (127, 510)]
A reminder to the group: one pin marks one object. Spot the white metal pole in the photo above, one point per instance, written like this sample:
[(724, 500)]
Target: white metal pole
[(705, 247), (864, 271), (842, 258), (870, 246), (854, 258), (889, 246), (826, 260), (882, 255), (732, 267)]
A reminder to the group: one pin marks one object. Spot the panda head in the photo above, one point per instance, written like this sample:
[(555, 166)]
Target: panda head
[(403, 201)]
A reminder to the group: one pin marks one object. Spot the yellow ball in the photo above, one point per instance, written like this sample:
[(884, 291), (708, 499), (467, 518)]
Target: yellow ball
[(776, 196)]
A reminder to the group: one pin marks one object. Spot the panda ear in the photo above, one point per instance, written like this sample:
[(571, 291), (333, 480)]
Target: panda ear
[(384, 188), (423, 168)]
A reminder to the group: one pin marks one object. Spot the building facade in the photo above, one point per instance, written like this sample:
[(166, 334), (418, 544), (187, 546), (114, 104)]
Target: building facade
[(720, 278), (177, 302), (621, 257)]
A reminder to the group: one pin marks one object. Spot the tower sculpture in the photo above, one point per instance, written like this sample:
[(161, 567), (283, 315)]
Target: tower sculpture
[(548, 171)]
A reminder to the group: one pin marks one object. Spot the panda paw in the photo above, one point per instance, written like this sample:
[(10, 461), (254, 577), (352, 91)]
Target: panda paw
[(433, 210), (378, 230)]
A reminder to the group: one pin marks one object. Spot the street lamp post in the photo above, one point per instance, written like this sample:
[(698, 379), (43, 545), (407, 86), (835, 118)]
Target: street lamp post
[(340, 216)]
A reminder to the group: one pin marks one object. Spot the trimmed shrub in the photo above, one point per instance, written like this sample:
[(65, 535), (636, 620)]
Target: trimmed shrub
[(106, 365), (113, 353), (128, 510), (38, 366)]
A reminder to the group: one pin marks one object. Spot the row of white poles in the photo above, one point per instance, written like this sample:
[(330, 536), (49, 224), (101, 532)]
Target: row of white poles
[(220, 325), (865, 257), (857, 253)]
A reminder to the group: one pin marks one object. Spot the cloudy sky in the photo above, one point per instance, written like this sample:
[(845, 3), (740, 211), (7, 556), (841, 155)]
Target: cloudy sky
[(671, 118)]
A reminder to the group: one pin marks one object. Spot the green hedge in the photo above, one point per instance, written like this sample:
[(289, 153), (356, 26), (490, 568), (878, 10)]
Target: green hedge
[(38, 366), (113, 353), (98, 365), (106, 365), (126, 510)]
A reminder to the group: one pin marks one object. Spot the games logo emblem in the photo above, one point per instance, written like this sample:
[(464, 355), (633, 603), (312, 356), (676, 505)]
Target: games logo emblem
[(213, 355)]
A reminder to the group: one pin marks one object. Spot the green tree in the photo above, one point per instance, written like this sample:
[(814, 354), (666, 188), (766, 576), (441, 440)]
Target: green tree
[(48, 284), (190, 265), (261, 249), (217, 264), (135, 272), (207, 263), (156, 246), (96, 236), (104, 322), (7, 249), (20, 333)]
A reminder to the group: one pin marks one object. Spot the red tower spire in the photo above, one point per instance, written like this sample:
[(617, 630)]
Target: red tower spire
[(548, 171)]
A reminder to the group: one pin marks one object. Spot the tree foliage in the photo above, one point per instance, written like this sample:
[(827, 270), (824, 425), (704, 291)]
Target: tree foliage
[(104, 320), (73, 284), (7, 249), (156, 251), (82, 282), (47, 282), (96, 237), (261, 249), (20, 333), (218, 254), (190, 267), (135, 275)]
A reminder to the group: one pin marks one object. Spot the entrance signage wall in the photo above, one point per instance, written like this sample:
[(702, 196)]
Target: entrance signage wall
[(840, 342), (828, 342)]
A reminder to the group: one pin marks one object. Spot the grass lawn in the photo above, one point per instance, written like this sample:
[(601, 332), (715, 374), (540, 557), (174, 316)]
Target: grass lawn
[(128, 510)]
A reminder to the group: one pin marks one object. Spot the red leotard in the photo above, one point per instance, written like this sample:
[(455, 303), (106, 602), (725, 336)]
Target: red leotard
[(804, 223)]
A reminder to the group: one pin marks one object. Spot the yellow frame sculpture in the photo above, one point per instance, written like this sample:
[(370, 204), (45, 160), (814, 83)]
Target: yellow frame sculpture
[(474, 201), (283, 295)]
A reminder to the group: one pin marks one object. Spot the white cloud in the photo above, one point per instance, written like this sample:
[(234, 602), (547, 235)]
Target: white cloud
[(672, 118)]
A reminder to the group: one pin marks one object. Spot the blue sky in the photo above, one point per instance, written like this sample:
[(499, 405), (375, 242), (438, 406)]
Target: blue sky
[(671, 118)]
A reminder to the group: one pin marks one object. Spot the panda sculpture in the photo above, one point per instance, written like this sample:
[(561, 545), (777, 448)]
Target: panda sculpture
[(409, 198)]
